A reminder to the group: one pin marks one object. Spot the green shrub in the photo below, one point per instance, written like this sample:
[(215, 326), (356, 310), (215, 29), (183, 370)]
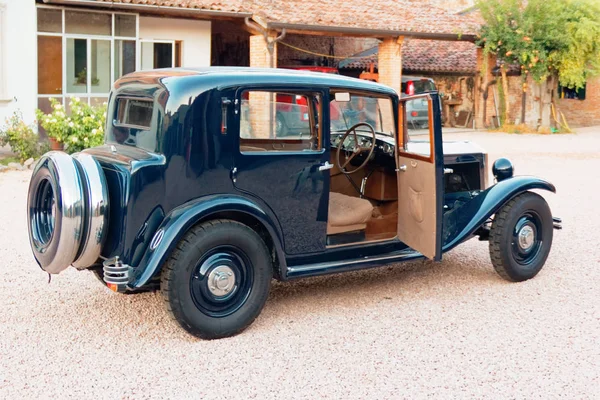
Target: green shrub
[(21, 138), (81, 128)]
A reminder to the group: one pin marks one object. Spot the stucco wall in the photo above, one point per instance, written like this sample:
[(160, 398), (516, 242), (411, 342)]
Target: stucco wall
[(194, 34), (19, 59)]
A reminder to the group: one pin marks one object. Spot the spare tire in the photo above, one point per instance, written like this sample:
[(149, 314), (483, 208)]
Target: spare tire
[(55, 211), (67, 211), (96, 210)]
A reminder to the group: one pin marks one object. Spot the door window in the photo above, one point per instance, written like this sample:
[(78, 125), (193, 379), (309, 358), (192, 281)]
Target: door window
[(279, 121), (416, 119)]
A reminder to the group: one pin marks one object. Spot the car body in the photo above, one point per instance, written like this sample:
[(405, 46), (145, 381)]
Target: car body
[(194, 190)]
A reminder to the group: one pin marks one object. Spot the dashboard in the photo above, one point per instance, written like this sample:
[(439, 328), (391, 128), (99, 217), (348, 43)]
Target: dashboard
[(383, 154)]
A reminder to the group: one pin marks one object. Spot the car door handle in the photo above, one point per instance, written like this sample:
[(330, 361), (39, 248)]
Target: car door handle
[(401, 168), (325, 166)]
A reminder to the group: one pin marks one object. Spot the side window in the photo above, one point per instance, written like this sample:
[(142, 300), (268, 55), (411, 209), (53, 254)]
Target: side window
[(279, 121), (416, 116)]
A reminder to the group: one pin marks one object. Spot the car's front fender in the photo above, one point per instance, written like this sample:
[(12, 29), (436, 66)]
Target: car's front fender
[(462, 222), (182, 218)]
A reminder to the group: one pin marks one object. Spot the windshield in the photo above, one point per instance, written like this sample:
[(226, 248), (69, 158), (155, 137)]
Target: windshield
[(376, 111)]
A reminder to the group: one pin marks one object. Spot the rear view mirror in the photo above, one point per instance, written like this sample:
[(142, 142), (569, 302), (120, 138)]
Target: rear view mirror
[(342, 96)]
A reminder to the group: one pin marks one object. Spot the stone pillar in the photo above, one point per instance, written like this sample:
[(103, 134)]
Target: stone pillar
[(261, 108), (390, 63)]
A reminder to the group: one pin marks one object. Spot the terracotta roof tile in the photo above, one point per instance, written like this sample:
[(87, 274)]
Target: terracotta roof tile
[(386, 15), (392, 15), (212, 5), (427, 56)]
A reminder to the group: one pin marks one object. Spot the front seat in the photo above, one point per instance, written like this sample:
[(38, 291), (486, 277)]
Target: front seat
[(347, 213)]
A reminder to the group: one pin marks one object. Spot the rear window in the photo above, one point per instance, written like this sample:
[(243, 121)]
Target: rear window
[(134, 112), (133, 123)]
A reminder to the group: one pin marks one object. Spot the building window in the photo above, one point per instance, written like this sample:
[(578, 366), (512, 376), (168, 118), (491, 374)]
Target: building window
[(160, 54), (81, 53), (568, 93)]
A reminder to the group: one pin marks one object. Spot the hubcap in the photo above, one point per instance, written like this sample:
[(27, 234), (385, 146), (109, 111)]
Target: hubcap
[(526, 237), (221, 281)]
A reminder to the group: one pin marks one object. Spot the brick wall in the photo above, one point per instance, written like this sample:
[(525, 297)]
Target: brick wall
[(260, 102), (337, 46), (390, 63), (583, 112)]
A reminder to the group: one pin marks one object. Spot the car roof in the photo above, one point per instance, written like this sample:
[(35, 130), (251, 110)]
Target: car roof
[(223, 77)]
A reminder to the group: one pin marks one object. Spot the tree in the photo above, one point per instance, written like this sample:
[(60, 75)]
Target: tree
[(547, 38)]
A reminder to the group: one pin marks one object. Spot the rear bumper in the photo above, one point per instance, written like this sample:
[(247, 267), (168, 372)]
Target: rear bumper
[(557, 223), (116, 274)]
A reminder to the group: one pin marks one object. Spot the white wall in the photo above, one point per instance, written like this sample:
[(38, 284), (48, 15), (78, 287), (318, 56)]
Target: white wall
[(195, 37), (19, 59)]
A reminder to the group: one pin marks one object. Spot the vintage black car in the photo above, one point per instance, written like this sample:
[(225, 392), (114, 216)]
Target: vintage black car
[(195, 193)]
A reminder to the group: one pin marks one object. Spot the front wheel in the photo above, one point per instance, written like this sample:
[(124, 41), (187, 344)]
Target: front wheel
[(217, 280), (521, 237)]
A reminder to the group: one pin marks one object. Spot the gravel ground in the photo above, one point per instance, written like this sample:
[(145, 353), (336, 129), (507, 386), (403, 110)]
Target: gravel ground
[(444, 330)]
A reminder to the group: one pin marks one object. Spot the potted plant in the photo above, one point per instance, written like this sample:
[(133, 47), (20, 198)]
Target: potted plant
[(76, 130)]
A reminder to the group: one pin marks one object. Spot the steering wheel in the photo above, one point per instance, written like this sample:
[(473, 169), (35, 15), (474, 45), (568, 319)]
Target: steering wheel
[(356, 150)]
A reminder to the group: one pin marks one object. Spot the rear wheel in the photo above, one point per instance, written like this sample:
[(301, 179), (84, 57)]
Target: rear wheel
[(217, 280), (521, 237)]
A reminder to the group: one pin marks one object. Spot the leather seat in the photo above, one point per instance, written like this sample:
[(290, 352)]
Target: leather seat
[(347, 213)]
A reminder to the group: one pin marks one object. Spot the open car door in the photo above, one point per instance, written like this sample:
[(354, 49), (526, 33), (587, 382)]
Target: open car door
[(420, 166)]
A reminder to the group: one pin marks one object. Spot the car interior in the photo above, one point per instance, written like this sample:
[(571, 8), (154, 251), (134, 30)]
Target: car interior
[(363, 197)]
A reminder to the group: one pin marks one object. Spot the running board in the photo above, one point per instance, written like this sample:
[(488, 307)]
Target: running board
[(302, 271)]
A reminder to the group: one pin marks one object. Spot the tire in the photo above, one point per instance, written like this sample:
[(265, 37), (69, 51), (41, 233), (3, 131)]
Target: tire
[(217, 280), (67, 208), (55, 211), (521, 237)]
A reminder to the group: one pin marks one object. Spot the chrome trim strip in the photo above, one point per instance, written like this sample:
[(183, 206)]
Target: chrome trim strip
[(311, 267), (95, 210)]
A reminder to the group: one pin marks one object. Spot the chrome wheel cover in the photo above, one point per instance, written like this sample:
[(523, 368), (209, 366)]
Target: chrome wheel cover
[(55, 211), (96, 210)]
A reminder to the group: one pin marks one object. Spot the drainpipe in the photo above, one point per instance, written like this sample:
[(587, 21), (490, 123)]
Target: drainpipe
[(270, 42)]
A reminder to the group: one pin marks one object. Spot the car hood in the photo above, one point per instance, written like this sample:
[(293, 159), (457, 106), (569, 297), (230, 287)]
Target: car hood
[(450, 148)]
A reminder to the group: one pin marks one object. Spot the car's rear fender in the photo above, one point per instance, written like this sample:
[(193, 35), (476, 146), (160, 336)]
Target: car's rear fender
[(461, 223), (181, 219)]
